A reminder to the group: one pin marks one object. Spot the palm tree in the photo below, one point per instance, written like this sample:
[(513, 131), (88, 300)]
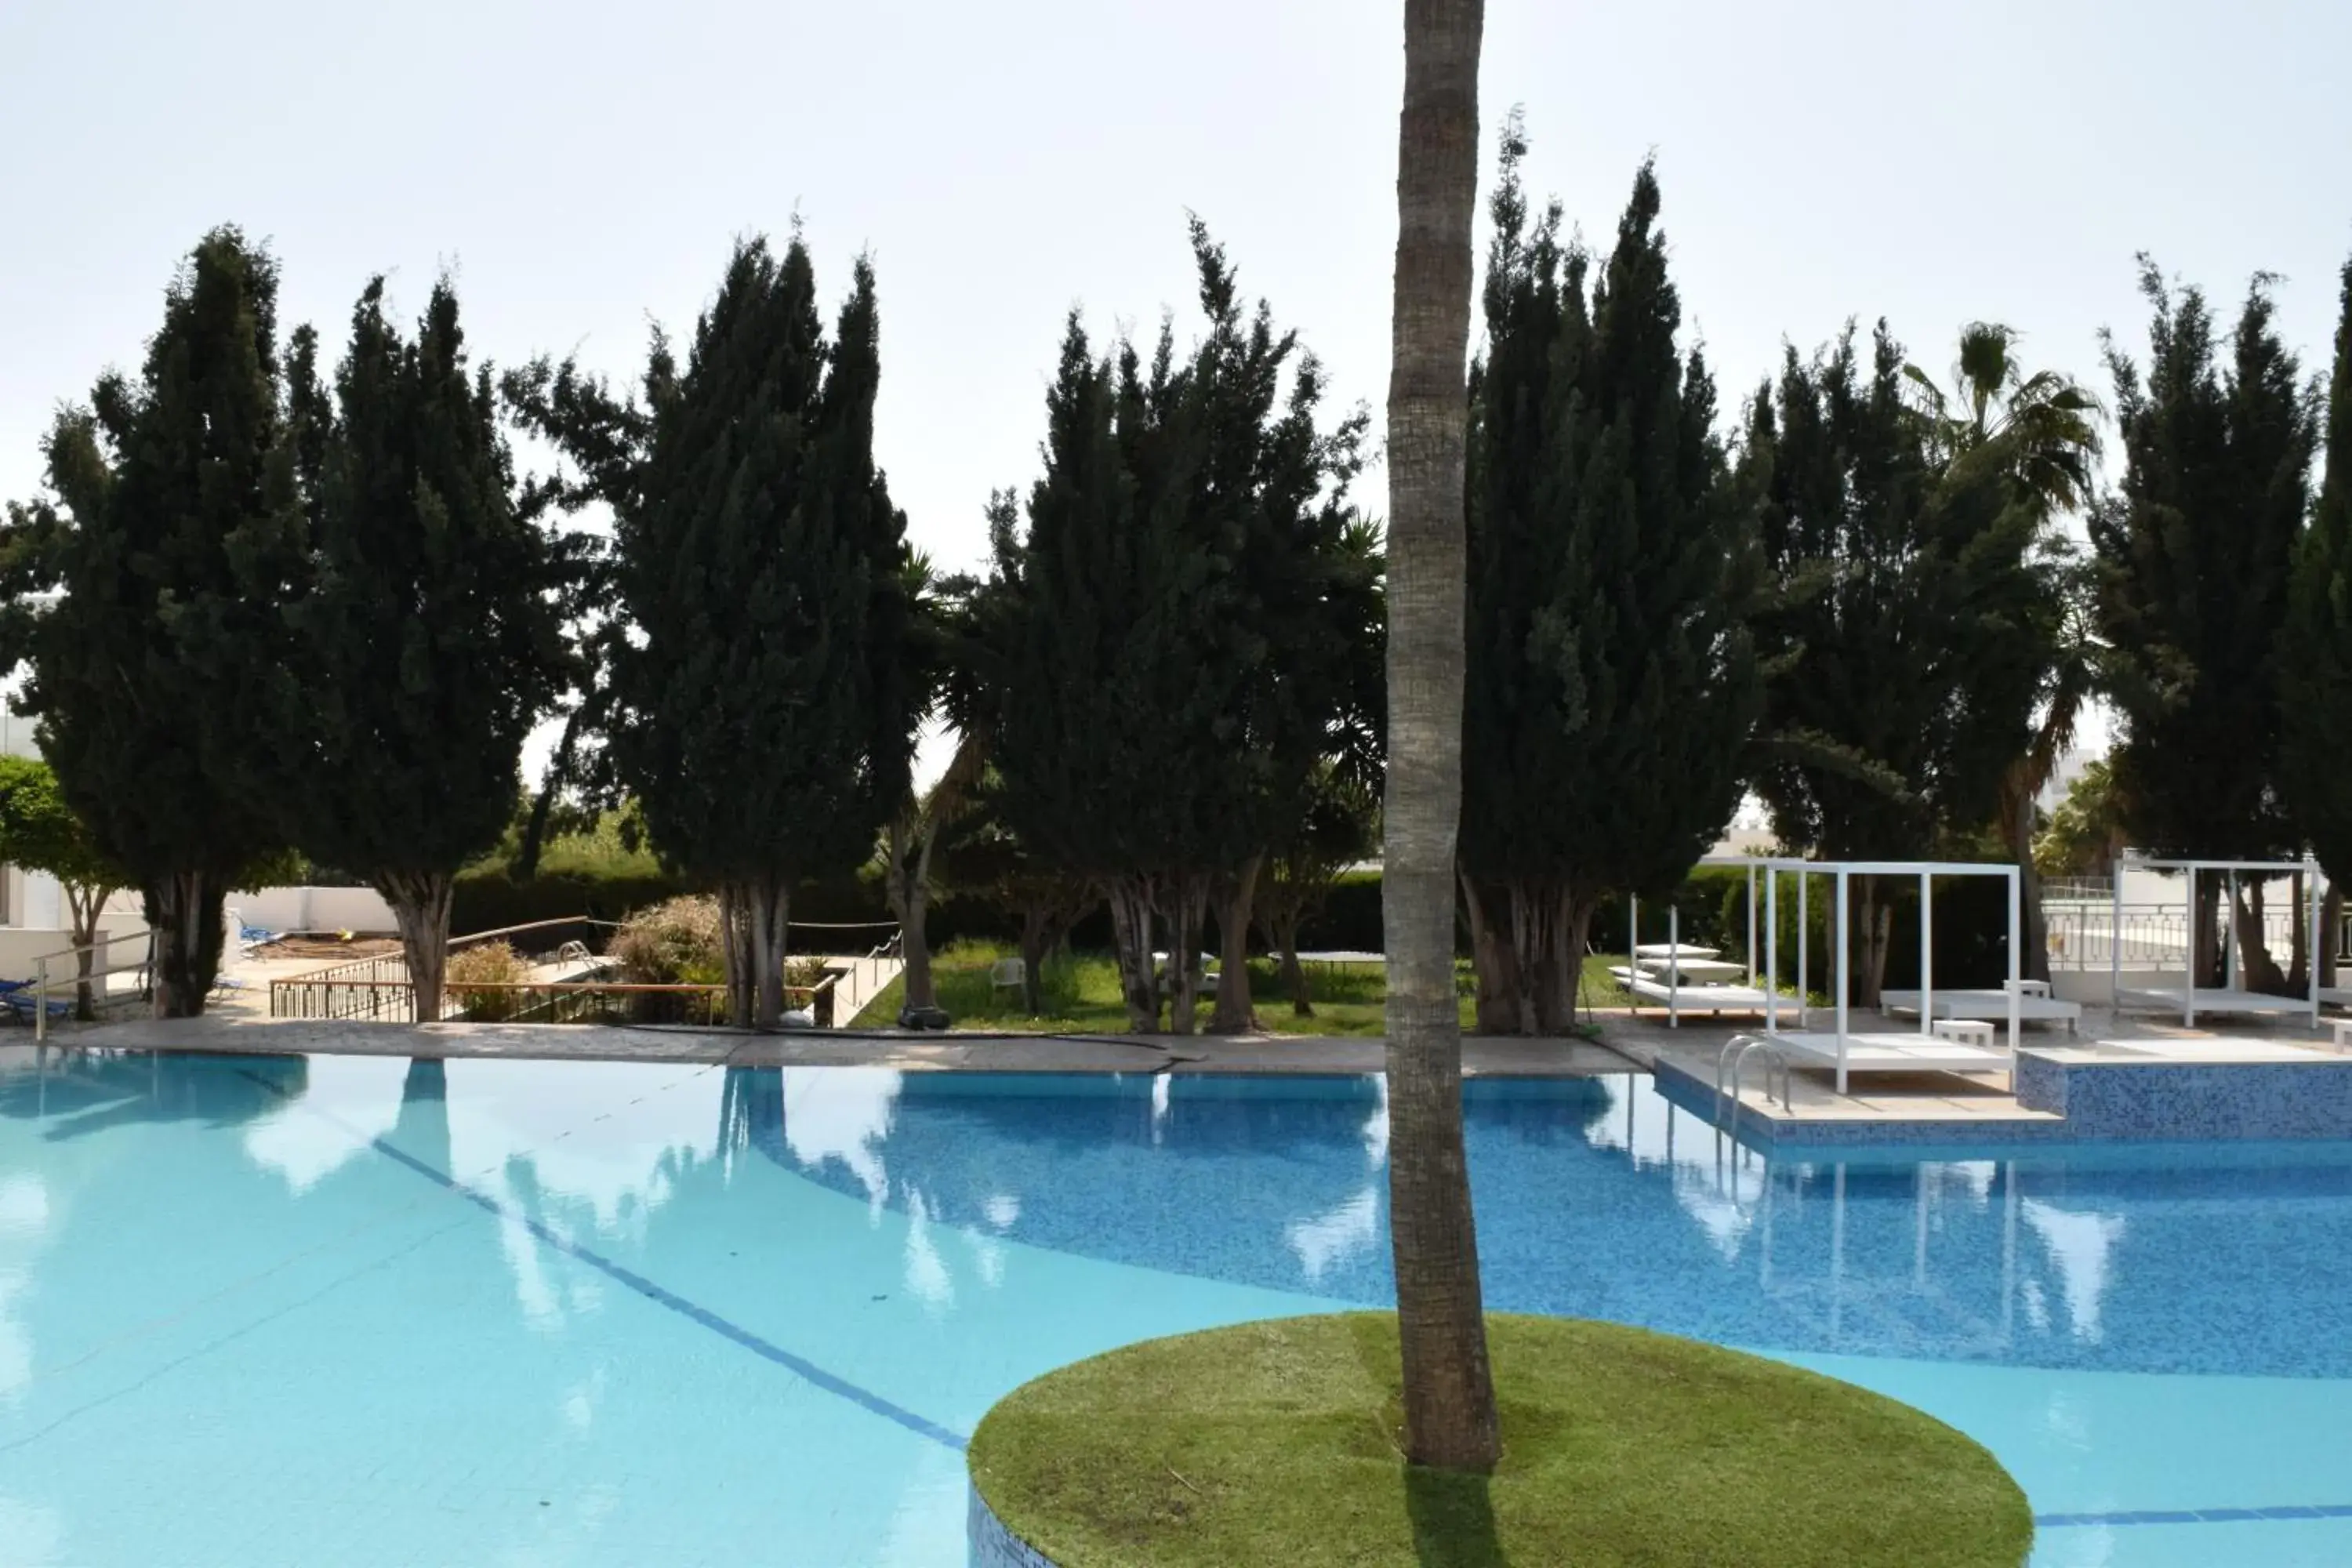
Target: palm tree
[(2045, 425), (1449, 1390), (2043, 432)]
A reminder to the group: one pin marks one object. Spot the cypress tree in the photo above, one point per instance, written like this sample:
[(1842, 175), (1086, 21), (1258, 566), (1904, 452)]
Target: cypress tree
[(163, 674), (1268, 497), (430, 638), (1105, 712), (2316, 655), (1909, 626), (1178, 637), (1611, 679), (763, 676), (2194, 558)]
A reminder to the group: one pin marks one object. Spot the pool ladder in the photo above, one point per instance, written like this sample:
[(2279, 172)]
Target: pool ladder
[(1731, 1066)]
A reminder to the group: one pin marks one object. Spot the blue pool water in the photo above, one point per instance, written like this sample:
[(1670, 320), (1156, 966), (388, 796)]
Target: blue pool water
[(361, 1311)]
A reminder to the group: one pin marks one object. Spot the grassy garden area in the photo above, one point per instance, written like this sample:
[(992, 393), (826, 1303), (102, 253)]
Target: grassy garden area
[(1276, 1442), (1082, 997)]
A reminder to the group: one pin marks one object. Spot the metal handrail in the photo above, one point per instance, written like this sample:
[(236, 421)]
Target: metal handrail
[(1732, 1062), (41, 973), (88, 947)]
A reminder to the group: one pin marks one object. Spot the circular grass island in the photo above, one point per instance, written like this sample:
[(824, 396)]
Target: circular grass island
[(1276, 1442)]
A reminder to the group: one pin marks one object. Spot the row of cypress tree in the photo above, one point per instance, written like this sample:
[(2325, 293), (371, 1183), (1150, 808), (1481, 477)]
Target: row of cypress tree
[(1873, 613), (260, 611), (266, 605), (2223, 594)]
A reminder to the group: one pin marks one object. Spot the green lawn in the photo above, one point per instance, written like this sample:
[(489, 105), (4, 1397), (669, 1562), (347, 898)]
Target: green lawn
[(1276, 1442), (1081, 995)]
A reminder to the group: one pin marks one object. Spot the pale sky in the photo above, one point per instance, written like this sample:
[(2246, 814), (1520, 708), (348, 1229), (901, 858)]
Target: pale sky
[(584, 166)]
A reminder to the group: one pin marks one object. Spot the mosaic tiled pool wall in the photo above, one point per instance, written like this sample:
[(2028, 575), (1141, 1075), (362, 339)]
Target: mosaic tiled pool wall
[(1696, 1095), (2101, 1101), (2184, 1100), (993, 1546)]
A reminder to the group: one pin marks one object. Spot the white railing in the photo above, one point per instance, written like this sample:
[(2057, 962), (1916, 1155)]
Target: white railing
[(43, 982), (2087, 934)]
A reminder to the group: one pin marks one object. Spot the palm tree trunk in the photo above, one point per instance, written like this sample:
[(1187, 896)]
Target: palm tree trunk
[(1449, 1391)]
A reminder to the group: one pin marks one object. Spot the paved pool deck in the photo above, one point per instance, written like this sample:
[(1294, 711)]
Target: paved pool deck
[(1888, 1108)]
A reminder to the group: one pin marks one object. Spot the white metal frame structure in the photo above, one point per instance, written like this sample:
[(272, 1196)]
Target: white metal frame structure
[(1708, 999), (2191, 997), (1848, 1052)]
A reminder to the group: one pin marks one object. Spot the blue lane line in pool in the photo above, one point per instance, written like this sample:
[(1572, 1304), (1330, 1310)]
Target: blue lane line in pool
[(2195, 1516), (807, 1371)]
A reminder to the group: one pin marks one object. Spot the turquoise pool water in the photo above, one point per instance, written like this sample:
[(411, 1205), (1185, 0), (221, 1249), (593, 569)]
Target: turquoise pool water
[(363, 1311)]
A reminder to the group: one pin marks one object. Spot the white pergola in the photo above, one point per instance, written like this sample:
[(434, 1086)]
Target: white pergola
[(1676, 960), (1933, 1047), (2191, 998)]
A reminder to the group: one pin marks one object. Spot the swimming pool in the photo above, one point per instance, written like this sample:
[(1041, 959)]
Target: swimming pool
[(361, 1311)]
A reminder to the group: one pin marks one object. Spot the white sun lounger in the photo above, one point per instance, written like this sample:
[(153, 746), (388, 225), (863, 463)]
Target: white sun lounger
[(1990, 1004), (1690, 998), (2210, 999), (1897, 1052)]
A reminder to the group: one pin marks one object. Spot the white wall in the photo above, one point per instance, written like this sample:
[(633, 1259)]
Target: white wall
[(314, 908), (37, 902), (20, 945)]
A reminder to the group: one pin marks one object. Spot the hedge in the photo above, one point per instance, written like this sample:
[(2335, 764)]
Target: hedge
[(1971, 917)]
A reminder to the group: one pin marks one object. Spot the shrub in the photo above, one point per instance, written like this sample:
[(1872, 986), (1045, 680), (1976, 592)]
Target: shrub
[(674, 942), (484, 963)]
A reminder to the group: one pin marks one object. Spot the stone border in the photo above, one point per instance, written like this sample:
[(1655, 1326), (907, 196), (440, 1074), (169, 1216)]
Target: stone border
[(994, 1546)]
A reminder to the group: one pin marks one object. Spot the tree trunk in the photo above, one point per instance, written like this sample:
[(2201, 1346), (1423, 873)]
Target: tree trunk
[(1131, 927), (2257, 971), (1873, 930), (751, 917), (2298, 966), (1037, 935), (2323, 941), (185, 911), (1490, 962), (1188, 906), (85, 902), (1526, 950), (915, 948), (420, 909), (1284, 935), (1449, 1393), (1576, 933), (1563, 952), (2208, 961), (1233, 1015), (2033, 926), (908, 886)]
